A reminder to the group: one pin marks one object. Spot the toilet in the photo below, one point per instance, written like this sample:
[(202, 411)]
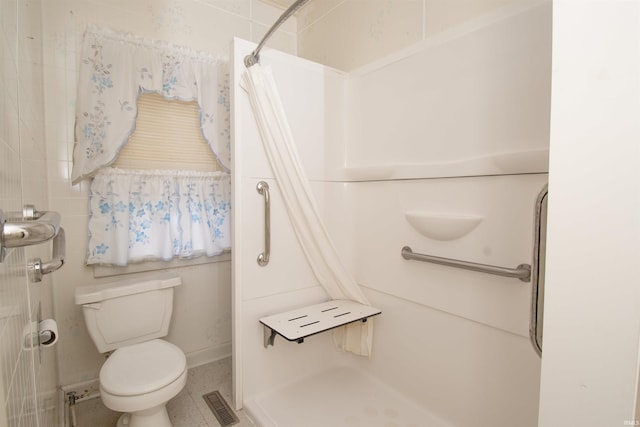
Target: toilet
[(144, 372)]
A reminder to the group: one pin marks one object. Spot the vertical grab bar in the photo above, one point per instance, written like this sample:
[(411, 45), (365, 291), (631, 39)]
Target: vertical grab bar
[(263, 189), (537, 271)]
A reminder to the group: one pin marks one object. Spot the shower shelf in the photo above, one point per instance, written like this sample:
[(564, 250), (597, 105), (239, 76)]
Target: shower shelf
[(296, 325)]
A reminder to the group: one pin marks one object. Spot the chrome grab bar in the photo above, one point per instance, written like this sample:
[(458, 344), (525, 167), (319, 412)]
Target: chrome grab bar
[(537, 281), (522, 272), (263, 258), (37, 268), (31, 228)]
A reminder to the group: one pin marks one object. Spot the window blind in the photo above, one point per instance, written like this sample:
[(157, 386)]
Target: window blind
[(167, 136)]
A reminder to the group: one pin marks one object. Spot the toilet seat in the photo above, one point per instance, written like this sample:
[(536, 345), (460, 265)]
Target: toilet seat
[(145, 403), (142, 368)]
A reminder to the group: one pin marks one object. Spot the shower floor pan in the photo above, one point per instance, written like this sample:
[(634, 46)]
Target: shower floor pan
[(340, 397)]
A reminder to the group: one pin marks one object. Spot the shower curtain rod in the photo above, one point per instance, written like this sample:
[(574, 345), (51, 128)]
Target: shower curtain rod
[(254, 57)]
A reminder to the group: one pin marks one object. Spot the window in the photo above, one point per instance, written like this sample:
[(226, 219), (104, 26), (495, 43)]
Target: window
[(165, 196), (167, 136)]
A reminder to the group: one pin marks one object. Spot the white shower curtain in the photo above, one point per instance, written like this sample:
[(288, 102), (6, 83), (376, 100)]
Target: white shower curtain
[(320, 252)]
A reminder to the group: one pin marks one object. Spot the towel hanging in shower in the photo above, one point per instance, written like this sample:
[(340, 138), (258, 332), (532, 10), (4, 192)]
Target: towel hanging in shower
[(300, 204)]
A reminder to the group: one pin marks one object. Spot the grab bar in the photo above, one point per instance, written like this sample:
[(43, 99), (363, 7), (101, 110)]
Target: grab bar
[(37, 268), (263, 189), (537, 282), (522, 272), (31, 228)]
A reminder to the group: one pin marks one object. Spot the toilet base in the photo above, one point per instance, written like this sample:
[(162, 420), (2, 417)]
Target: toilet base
[(154, 417), (123, 421), (145, 410)]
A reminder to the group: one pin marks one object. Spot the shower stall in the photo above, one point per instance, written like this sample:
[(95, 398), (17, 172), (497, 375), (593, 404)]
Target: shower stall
[(441, 148)]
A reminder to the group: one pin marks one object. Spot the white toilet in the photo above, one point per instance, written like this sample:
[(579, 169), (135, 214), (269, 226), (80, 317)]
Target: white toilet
[(143, 372)]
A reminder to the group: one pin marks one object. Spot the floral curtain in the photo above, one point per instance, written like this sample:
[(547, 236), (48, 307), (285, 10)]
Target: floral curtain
[(139, 215), (115, 68)]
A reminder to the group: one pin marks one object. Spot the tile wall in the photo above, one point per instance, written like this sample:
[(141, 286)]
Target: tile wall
[(347, 34)]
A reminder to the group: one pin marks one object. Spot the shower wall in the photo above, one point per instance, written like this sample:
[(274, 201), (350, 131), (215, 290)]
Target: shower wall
[(470, 111), (475, 101), (442, 147), (451, 338), (202, 316), (313, 98)]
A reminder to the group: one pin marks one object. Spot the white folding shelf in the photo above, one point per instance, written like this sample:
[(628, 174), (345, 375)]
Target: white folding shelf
[(296, 325)]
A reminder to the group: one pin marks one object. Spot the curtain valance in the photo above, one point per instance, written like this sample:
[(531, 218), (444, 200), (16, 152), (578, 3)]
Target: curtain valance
[(115, 68), (142, 215)]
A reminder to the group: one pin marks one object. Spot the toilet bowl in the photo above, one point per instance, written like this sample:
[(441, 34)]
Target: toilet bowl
[(140, 379), (144, 372)]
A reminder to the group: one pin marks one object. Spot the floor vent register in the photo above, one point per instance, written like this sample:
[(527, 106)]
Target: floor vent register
[(221, 409)]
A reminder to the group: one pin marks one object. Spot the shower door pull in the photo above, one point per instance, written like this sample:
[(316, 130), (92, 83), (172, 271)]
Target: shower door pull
[(263, 189)]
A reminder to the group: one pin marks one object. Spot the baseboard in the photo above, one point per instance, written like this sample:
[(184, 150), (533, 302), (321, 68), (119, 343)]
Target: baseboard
[(84, 390), (257, 415), (208, 355)]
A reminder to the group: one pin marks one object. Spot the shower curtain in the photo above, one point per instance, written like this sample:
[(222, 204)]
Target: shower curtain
[(301, 207)]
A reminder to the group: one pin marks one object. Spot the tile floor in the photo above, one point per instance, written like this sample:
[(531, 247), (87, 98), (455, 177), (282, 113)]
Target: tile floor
[(187, 409)]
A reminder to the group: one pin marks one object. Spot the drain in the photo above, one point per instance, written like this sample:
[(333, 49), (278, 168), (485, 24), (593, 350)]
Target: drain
[(221, 409)]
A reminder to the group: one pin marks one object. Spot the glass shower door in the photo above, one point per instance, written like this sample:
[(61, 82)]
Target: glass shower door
[(28, 376)]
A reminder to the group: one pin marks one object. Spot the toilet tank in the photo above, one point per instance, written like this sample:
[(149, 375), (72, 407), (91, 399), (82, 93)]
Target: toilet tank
[(129, 311)]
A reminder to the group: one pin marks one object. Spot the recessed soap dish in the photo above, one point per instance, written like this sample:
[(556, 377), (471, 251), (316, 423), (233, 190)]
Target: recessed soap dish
[(442, 226)]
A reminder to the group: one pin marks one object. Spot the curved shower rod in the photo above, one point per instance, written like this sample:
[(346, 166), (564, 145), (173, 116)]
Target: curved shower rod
[(254, 57)]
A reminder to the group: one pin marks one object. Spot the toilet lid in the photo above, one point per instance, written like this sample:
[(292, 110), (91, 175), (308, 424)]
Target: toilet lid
[(142, 368)]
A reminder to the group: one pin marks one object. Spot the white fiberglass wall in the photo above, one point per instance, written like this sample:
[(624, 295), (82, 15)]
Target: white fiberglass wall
[(313, 98), (469, 111), (442, 148), (471, 101)]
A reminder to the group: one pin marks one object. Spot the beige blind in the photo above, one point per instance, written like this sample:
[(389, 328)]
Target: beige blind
[(167, 136)]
